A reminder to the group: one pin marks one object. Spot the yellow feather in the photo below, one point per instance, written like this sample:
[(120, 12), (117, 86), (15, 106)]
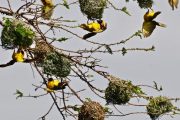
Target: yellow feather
[(94, 27), (52, 84), (18, 57)]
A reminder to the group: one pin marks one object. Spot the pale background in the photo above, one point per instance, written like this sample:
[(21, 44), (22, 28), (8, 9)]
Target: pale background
[(162, 65)]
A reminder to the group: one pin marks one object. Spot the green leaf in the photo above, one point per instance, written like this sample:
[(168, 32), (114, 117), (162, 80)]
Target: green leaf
[(109, 49), (76, 108), (124, 9), (19, 94), (138, 33), (107, 110), (62, 39), (88, 99), (156, 86), (137, 90), (66, 4), (124, 51)]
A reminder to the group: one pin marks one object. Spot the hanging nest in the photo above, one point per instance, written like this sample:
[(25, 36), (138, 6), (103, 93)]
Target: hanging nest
[(145, 3), (158, 106), (40, 51), (91, 111), (118, 92), (55, 64), (93, 8), (16, 33)]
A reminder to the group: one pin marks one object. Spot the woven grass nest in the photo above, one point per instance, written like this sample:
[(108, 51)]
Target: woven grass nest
[(55, 64), (118, 92), (92, 8), (158, 106), (16, 33), (40, 51), (91, 111), (145, 3)]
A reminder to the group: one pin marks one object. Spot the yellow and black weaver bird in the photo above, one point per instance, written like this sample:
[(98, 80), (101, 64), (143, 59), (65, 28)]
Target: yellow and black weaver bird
[(151, 15), (55, 85), (149, 23), (94, 28), (148, 27), (173, 3), (47, 9), (17, 57), (47, 2)]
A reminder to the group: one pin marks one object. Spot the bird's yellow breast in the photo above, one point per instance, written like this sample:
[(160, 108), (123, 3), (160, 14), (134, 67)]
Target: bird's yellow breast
[(18, 57), (92, 27), (52, 84)]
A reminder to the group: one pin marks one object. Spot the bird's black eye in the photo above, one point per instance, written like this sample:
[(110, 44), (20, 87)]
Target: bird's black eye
[(99, 21), (50, 79)]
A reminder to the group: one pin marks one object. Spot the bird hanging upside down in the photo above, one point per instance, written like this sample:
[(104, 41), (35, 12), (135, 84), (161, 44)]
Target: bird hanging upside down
[(149, 23), (151, 15), (173, 3), (55, 85), (94, 28)]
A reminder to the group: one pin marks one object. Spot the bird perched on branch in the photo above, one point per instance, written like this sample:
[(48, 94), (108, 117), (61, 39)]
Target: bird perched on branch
[(173, 3), (18, 57), (149, 23), (55, 85), (94, 28), (47, 9)]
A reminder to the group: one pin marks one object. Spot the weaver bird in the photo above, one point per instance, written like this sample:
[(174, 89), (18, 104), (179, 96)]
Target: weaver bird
[(173, 3), (94, 28), (47, 2), (151, 15), (149, 26), (47, 12), (55, 85), (18, 57)]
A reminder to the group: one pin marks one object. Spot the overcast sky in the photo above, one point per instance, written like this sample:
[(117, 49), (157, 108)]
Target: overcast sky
[(162, 65)]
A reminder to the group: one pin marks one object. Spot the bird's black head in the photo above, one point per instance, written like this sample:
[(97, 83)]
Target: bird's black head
[(99, 21), (50, 79)]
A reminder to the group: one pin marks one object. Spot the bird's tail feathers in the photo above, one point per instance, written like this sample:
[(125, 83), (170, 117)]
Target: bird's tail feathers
[(88, 35), (161, 24)]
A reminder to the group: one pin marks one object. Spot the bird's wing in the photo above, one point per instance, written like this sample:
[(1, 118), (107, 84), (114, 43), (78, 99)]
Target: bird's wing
[(61, 85), (148, 28)]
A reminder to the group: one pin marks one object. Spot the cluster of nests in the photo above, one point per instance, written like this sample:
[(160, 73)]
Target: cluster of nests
[(17, 34), (120, 92), (94, 9)]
